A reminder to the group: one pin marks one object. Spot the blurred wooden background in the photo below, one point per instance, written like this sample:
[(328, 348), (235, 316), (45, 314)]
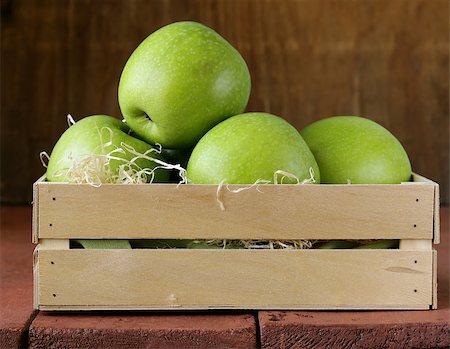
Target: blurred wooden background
[(309, 59)]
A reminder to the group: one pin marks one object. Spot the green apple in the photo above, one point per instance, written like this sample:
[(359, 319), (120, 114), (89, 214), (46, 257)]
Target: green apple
[(380, 244), (101, 244), (336, 244), (163, 243), (351, 149), (250, 147), (97, 135), (181, 81)]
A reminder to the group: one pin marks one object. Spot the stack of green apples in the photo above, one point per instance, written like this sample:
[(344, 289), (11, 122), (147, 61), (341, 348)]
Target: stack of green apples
[(183, 93)]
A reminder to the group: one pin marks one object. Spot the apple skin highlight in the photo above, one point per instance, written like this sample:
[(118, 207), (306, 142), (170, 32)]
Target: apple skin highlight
[(356, 150), (180, 82), (248, 148)]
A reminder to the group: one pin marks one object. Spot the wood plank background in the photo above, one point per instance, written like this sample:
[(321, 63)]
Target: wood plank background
[(387, 60)]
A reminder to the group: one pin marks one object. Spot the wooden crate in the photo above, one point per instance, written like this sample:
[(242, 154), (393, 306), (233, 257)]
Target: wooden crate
[(78, 279)]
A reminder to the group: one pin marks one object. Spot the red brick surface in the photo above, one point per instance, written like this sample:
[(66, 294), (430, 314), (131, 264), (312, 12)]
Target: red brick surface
[(143, 331), (371, 329), (16, 285)]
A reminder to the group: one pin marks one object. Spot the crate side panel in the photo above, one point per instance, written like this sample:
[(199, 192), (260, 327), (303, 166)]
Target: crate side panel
[(273, 212), (435, 283), (36, 278), (171, 279), (437, 221), (436, 224), (35, 215)]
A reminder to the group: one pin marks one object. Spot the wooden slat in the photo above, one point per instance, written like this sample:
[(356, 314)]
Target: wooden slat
[(196, 279), (46, 244), (274, 212), (416, 245), (437, 220), (424, 245), (35, 214), (54, 244), (417, 178), (435, 283), (36, 299), (88, 307), (436, 224)]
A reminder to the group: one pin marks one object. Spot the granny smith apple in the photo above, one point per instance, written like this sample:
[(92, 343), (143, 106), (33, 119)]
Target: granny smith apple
[(380, 244), (101, 244), (97, 135), (250, 147), (351, 149), (336, 244), (181, 81), (163, 243)]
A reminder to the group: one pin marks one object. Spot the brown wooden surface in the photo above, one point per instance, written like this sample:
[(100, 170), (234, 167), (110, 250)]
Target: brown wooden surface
[(16, 283), (384, 59), (157, 331)]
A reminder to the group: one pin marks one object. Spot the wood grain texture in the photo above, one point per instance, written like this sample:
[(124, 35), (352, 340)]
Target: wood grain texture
[(416, 245), (434, 305), (387, 60), (416, 178), (361, 330), (16, 284), (144, 330), (168, 211), (35, 212), (366, 329), (208, 279)]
